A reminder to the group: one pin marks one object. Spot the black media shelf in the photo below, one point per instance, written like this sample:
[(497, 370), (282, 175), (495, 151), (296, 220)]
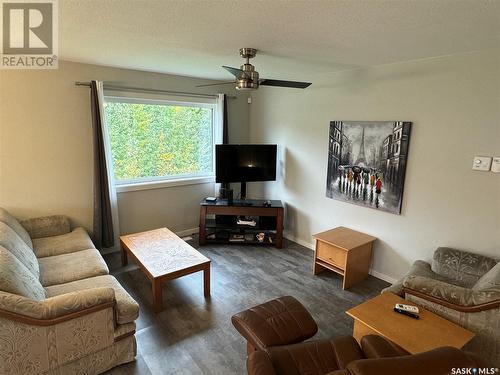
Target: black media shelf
[(217, 217)]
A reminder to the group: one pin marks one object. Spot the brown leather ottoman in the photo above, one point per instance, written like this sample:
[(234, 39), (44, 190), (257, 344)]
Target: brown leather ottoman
[(281, 321)]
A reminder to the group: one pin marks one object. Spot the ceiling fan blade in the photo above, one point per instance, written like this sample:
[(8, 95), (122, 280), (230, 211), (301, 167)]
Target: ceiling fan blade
[(280, 83), (216, 84), (234, 71)]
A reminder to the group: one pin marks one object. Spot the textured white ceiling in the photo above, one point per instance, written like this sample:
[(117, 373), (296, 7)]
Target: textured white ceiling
[(296, 39)]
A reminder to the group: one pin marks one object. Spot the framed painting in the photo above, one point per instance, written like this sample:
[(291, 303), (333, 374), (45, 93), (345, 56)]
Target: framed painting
[(367, 163)]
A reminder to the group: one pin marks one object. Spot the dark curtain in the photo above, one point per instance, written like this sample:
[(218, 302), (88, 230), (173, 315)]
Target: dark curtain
[(225, 130), (225, 135), (103, 235)]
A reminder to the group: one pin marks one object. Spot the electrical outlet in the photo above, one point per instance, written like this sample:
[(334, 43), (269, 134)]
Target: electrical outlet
[(481, 163)]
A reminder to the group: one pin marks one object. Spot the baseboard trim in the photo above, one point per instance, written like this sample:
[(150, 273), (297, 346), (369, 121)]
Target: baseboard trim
[(383, 276), (311, 247), (301, 242)]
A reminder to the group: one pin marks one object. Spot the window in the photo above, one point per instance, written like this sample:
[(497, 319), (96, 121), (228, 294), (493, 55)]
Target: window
[(160, 140), (396, 149)]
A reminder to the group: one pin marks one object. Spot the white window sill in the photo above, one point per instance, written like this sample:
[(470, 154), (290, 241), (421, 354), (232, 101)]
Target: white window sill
[(163, 184)]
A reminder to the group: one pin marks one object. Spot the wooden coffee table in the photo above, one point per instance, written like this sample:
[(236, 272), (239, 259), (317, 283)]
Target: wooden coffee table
[(376, 316), (163, 256)]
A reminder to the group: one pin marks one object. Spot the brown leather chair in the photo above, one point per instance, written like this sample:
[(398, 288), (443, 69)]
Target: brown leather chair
[(343, 356), (275, 331)]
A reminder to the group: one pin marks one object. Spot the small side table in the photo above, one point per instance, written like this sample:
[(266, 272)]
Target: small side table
[(344, 251)]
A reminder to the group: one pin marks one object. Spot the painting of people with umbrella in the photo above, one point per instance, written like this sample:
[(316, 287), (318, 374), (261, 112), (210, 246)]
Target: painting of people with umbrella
[(367, 163)]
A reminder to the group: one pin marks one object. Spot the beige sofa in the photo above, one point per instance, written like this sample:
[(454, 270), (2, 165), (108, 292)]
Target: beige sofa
[(60, 310)]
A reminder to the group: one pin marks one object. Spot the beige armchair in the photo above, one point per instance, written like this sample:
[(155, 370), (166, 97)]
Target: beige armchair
[(461, 287)]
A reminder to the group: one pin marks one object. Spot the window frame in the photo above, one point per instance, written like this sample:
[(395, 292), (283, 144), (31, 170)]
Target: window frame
[(157, 182)]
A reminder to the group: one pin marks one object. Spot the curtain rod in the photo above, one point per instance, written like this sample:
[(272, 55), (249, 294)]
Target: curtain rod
[(154, 91)]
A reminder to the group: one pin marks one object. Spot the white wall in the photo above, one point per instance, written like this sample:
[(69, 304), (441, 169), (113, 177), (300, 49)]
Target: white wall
[(46, 147), (454, 104)]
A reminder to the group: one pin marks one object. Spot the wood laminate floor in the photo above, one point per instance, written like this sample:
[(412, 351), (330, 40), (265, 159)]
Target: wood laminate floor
[(194, 335)]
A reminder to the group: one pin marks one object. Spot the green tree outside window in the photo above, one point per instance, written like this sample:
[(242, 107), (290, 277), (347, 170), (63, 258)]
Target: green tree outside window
[(156, 140)]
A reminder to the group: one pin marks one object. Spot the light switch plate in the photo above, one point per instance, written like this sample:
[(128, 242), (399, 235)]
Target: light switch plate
[(481, 163), (495, 166)]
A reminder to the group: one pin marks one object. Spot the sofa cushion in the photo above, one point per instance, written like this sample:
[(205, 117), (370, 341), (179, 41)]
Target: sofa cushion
[(17, 247), (463, 267), (60, 269), (11, 221), (418, 268), (17, 279), (76, 240), (127, 310), (47, 226)]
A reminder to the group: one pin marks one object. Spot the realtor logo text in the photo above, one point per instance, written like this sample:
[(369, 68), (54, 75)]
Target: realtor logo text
[(29, 34)]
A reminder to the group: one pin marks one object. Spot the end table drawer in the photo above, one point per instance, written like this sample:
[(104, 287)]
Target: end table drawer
[(331, 254)]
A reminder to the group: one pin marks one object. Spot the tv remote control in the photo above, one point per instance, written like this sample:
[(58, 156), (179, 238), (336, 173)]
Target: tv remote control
[(409, 308), (404, 312)]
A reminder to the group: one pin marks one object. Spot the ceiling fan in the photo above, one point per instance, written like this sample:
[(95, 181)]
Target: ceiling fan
[(247, 78)]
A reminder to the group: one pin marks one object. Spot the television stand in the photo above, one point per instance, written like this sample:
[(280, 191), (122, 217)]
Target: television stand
[(218, 222), (244, 202)]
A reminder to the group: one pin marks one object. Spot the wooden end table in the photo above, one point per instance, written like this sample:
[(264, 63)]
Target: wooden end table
[(344, 251), (163, 256), (376, 316)]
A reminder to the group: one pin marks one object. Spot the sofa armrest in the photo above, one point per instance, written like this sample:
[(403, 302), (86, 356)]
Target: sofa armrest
[(375, 346), (489, 281), (436, 361), (47, 226), (72, 325), (450, 295), (55, 309)]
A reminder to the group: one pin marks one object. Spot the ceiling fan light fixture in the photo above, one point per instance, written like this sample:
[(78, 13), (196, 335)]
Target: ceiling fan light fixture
[(247, 78), (246, 84)]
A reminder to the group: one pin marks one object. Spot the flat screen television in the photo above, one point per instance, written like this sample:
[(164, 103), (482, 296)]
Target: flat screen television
[(245, 163)]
